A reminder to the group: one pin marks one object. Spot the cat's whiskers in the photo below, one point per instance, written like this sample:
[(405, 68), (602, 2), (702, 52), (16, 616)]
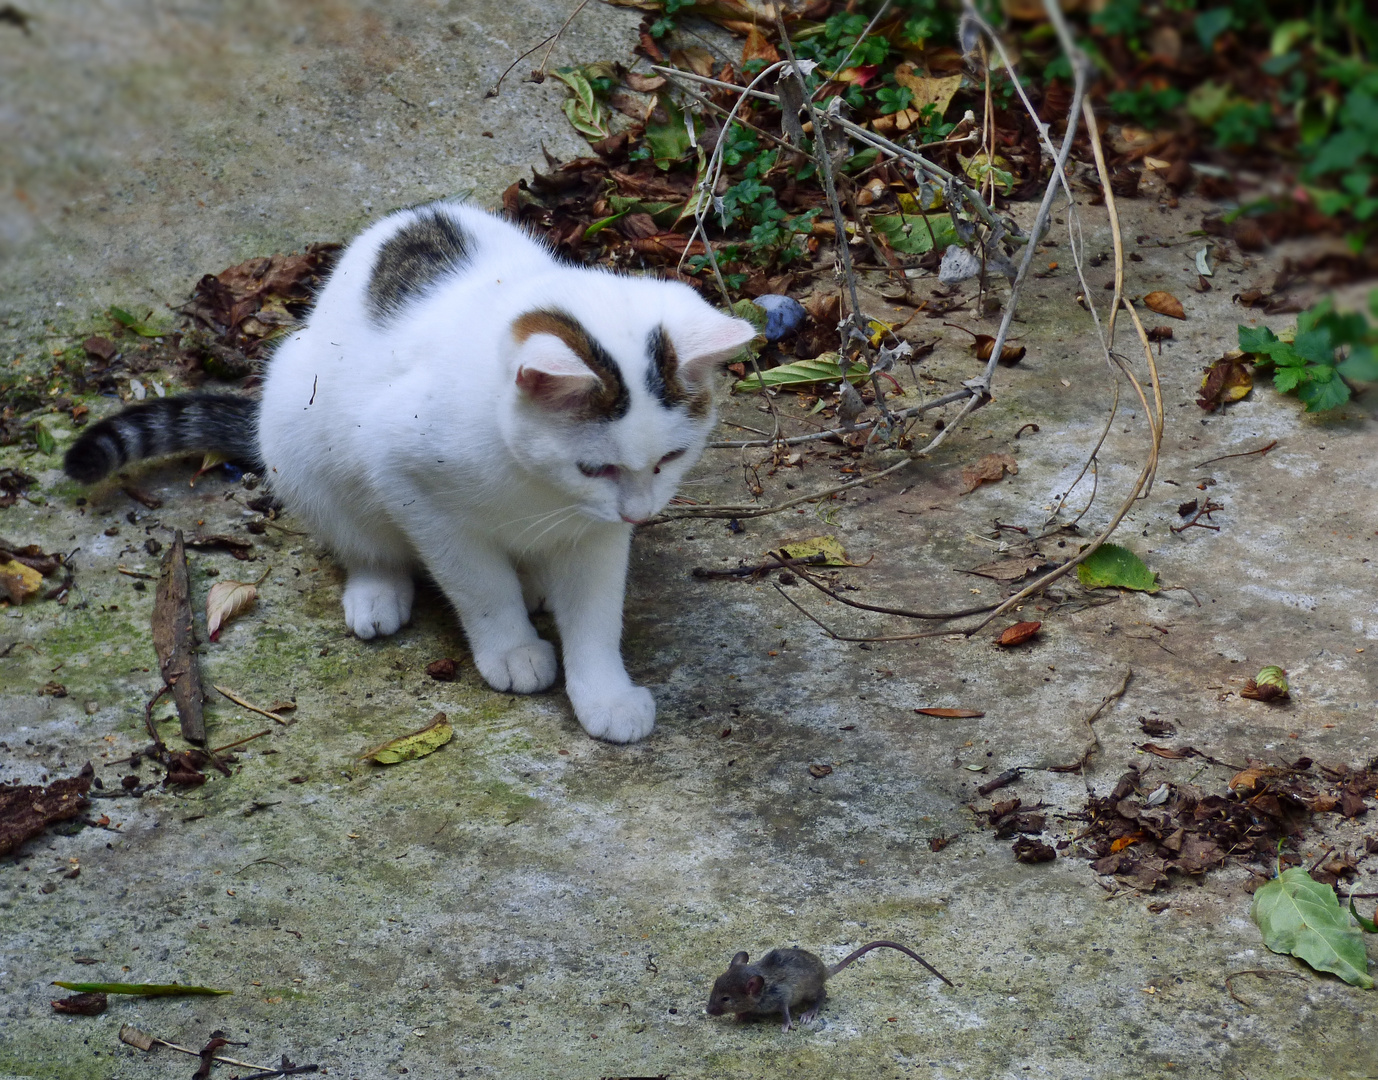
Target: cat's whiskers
[(566, 513)]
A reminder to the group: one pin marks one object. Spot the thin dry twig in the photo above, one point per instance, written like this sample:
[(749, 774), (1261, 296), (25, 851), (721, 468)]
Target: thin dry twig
[(1262, 973), (843, 637), (494, 90), (902, 612), (830, 433), (1225, 457), (1080, 764), (252, 708)]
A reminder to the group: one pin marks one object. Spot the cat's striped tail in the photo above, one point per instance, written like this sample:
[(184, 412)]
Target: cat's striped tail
[(223, 423)]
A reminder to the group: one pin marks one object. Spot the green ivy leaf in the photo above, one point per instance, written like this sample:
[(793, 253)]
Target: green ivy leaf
[(1114, 567), (1301, 917)]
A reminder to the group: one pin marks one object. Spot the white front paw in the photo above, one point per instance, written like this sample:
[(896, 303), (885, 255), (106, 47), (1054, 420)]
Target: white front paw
[(623, 717), (377, 604), (524, 670)]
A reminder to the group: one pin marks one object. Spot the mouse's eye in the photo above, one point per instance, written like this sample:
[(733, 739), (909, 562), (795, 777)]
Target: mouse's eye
[(605, 471), (671, 456)]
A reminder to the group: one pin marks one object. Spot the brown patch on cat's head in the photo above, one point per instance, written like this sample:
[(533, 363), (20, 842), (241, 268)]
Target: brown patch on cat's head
[(609, 400), (664, 382)]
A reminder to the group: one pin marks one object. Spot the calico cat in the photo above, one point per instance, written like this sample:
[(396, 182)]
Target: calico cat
[(462, 403)]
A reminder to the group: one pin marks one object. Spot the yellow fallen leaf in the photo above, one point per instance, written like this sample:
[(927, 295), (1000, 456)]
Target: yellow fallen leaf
[(828, 546), (18, 582), (419, 743), (208, 461)]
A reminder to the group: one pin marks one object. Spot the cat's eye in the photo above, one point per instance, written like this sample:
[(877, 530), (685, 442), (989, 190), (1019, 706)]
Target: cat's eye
[(596, 471), (672, 456)]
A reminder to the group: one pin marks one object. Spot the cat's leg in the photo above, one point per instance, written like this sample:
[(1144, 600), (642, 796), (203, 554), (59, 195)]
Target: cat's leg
[(585, 586), (484, 588), (378, 599)]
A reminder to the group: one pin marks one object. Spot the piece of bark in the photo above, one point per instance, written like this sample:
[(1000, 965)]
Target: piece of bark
[(175, 641), (27, 809)]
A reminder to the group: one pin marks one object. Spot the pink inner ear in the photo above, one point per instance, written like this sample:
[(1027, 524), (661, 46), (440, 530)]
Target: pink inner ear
[(708, 339), (551, 375), (754, 985)]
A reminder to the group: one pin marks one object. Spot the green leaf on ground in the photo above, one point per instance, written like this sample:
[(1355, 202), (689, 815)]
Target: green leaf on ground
[(1301, 917), (132, 322), (1323, 389), (1113, 567), (823, 368), (828, 546), (138, 989), (914, 234), (1369, 926), (669, 142), (1361, 364), (44, 438), (426, 740)]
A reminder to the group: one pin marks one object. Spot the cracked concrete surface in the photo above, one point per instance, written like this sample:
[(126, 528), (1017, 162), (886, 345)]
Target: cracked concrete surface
[(527, 902)]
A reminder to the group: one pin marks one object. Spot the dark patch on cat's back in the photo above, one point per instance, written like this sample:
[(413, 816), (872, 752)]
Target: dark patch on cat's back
[(664, 383), (413, 259), (610, 401)]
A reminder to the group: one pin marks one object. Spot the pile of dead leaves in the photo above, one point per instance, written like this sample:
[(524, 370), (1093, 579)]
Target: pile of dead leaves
[(249, 305), (1144, 833), (23, 568)]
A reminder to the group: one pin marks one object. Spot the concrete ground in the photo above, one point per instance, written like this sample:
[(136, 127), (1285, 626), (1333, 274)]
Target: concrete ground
[(527, 902)]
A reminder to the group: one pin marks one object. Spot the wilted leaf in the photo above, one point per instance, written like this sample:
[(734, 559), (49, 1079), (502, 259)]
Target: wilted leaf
[(830, 547), (952, 714), (99, 347), (1369, 926), (1270, 685), (228, 599), (583, 109), (18, 582), (419, 743), (983, 345), (1028, 850), (442, 670), (1164, 303), (820, 771), (81, 1005), (1302, 917), (1225, 380), (669, 142), (139, 989), (823, 368), (757, 47), (990, 468), (1018, 633), (981, 165), (1114, 567)]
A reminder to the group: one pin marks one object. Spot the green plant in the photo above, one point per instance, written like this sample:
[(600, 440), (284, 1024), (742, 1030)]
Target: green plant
[(1242, 122), (1326, 349), (663, 25), (894, 99), (1147, 104)]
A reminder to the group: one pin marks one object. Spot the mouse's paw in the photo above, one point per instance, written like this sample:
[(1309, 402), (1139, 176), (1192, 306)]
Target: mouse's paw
[(623, 716), (377, 602), (810, 1014)]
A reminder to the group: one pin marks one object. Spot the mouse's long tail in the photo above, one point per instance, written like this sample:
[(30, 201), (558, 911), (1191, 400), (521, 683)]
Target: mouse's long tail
[(224, 423), (887, 945)]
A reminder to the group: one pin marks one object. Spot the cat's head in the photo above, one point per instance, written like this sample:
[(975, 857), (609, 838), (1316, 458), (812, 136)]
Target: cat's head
[(614, 406)]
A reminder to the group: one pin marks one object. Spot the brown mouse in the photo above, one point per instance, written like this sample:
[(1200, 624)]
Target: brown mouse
[(785, 979)]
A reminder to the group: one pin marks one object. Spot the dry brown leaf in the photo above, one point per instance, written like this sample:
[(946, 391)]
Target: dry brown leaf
[(988, 469), (228, 599), (1225, 381), (1164, 303), (1018, 633), (758, 47), (695, 58), (1248, 780), (820, 771), (952, 714), (644, 84)]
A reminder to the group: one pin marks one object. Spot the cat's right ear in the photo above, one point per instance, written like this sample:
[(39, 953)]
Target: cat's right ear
[(550, 375)]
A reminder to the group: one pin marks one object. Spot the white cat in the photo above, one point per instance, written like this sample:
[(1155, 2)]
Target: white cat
[(461, 402)]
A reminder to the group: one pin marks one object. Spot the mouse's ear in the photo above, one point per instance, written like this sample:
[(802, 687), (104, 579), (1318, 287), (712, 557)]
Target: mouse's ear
[(739, 959), (755, 985)]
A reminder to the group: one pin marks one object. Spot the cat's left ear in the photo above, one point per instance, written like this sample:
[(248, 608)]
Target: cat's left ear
[(705, 338)]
